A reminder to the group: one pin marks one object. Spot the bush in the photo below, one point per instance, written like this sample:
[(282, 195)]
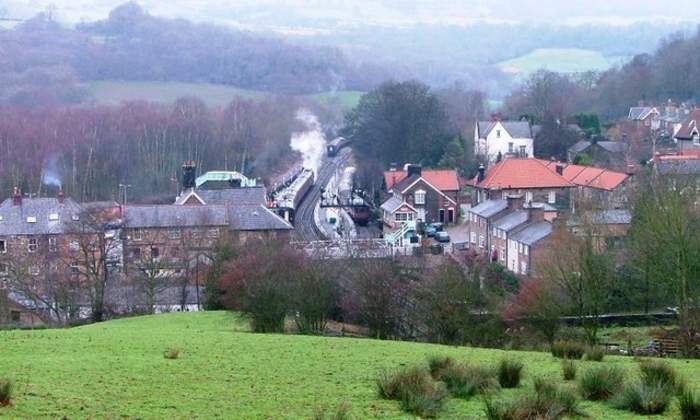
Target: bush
[(171, 354), (600, 382), (653, 372), (568, 349), (595, 353), (437, 363), (509, 372), (642, 398), (464, 381), (569, 369), (549, 401), (688, 405), (6, 388), (414, 389), (342, 412)]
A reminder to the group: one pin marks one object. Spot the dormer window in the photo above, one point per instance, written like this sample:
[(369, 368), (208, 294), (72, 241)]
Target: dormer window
[(696, 138), (75, 217), (53, 217), (31, 219)]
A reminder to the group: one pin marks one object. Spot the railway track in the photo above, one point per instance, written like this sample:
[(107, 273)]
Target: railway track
[(305, 225)]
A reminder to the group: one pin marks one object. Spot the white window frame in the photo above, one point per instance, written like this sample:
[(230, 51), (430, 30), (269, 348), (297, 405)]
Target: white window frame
[(503, 254), (32, 245), (4, 269), (34, 269), (31, 219), (528, 196), (3, 249), (482, 241), (473, 237), (511, 147), (174, 234), (138, 235), (213, 233), (53, 244), (74, 245), (523, 267), (419, 197), (552, 197), (53, 217), (526, 250)]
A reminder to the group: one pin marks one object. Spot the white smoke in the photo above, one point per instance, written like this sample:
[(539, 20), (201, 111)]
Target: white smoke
[(310, 143), (50, 173)]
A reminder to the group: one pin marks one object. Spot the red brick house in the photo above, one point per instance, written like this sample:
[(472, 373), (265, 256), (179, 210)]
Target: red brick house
[(422, 195)]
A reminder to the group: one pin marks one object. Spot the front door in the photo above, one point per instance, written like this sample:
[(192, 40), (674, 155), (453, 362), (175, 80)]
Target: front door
[(441, 216), (450, 215)]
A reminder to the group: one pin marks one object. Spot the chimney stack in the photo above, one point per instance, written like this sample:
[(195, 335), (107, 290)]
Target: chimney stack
[(189, 171), (515, 201), (482, 173), (536, 212), (61, 195), (17, 196), (412, 169)]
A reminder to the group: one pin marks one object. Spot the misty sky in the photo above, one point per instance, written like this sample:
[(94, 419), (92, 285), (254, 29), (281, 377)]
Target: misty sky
[(333, 13)]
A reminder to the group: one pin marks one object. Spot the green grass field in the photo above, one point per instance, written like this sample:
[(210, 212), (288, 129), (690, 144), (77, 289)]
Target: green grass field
[(563, 60), (116, 92), (117, 370)]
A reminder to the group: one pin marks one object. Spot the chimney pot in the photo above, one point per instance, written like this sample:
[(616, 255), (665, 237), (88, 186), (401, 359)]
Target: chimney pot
[(482, 173), (17, 196), (61, 195)]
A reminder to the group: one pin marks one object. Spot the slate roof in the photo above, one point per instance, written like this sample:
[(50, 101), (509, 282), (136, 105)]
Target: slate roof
[(14, 218), (677, 165), (255, 217), (511, 220), (516, 129), (392, 204), (172, 216), (605, 217), (406, 182), (489, 208), (234, 196), (610, 146), (640, 112), (532, 233), (690, 125)]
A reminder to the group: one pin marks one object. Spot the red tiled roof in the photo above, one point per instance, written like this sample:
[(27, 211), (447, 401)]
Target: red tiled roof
[(535, 173), (442, 179), (522, 173)]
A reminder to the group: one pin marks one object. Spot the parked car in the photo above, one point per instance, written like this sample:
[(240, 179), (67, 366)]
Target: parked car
[(430, 232), (442, 237), (439, 227)]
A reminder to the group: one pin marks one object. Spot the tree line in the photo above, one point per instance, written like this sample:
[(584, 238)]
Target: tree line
[(90, 150)]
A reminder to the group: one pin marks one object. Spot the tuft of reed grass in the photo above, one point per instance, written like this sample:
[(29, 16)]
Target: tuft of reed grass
[(600, 382), (7, 387), (642, 398), (172, 353), (688, 405), (509, 373), (568, 369)]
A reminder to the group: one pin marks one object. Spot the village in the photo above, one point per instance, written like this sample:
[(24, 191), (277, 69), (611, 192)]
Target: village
[(157, 255)]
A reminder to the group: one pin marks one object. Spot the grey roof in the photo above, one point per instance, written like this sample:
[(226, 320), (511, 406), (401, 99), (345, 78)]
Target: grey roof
[(517, 129), (532, 233), (610, 146), (392, 204), (32, 216), (489, 208), (234, 196), (678, 167), (511, 220), (405, 183), (639, 112), (255, 217), (605, 217), (165, 216)]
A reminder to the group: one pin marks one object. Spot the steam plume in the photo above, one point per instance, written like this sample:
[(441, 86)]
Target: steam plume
[(310, 143)]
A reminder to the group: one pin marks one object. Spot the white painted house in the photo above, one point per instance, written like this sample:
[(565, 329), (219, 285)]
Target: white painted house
[(507, 138)]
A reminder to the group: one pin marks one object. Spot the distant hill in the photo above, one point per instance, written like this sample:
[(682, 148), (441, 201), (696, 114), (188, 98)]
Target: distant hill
[(562, 60)]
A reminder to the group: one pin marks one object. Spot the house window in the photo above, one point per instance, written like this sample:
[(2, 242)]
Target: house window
[(510, 147), (4, 269), (503, 254), (174, 234), (3, 246), (196, 234), (32, 246), (31, 219), (138, 235), (34, 270), (498, 134), (526, 249), (552, 197), (473, 237), (495, 232), (53, 244), (136, 253), (420, 197), (528, 197), (696, 139), (74, 268), (523, 267), (523, 151), (53, 217), (74, 246), (155, 253), (481, 241), (213, 233)]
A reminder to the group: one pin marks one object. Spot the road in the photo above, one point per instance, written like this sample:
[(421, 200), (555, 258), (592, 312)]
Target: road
[(305, 226)]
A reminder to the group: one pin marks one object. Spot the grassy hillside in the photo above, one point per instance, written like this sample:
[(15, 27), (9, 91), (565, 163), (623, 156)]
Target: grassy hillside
[(564, 60), (115, 92), (117, 370)]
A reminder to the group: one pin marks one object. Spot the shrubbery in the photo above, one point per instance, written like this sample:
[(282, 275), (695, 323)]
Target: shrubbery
[(568, 349), (509, 372), (548, 401), (568, 369), (415, 390), (654, 372), (688, 405), (6, 389), (643, 398), (594, 353), (600, 382)]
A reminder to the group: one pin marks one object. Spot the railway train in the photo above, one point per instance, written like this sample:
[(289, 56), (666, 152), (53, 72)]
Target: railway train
[(335, 145), (288, 195), (350, 198)]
